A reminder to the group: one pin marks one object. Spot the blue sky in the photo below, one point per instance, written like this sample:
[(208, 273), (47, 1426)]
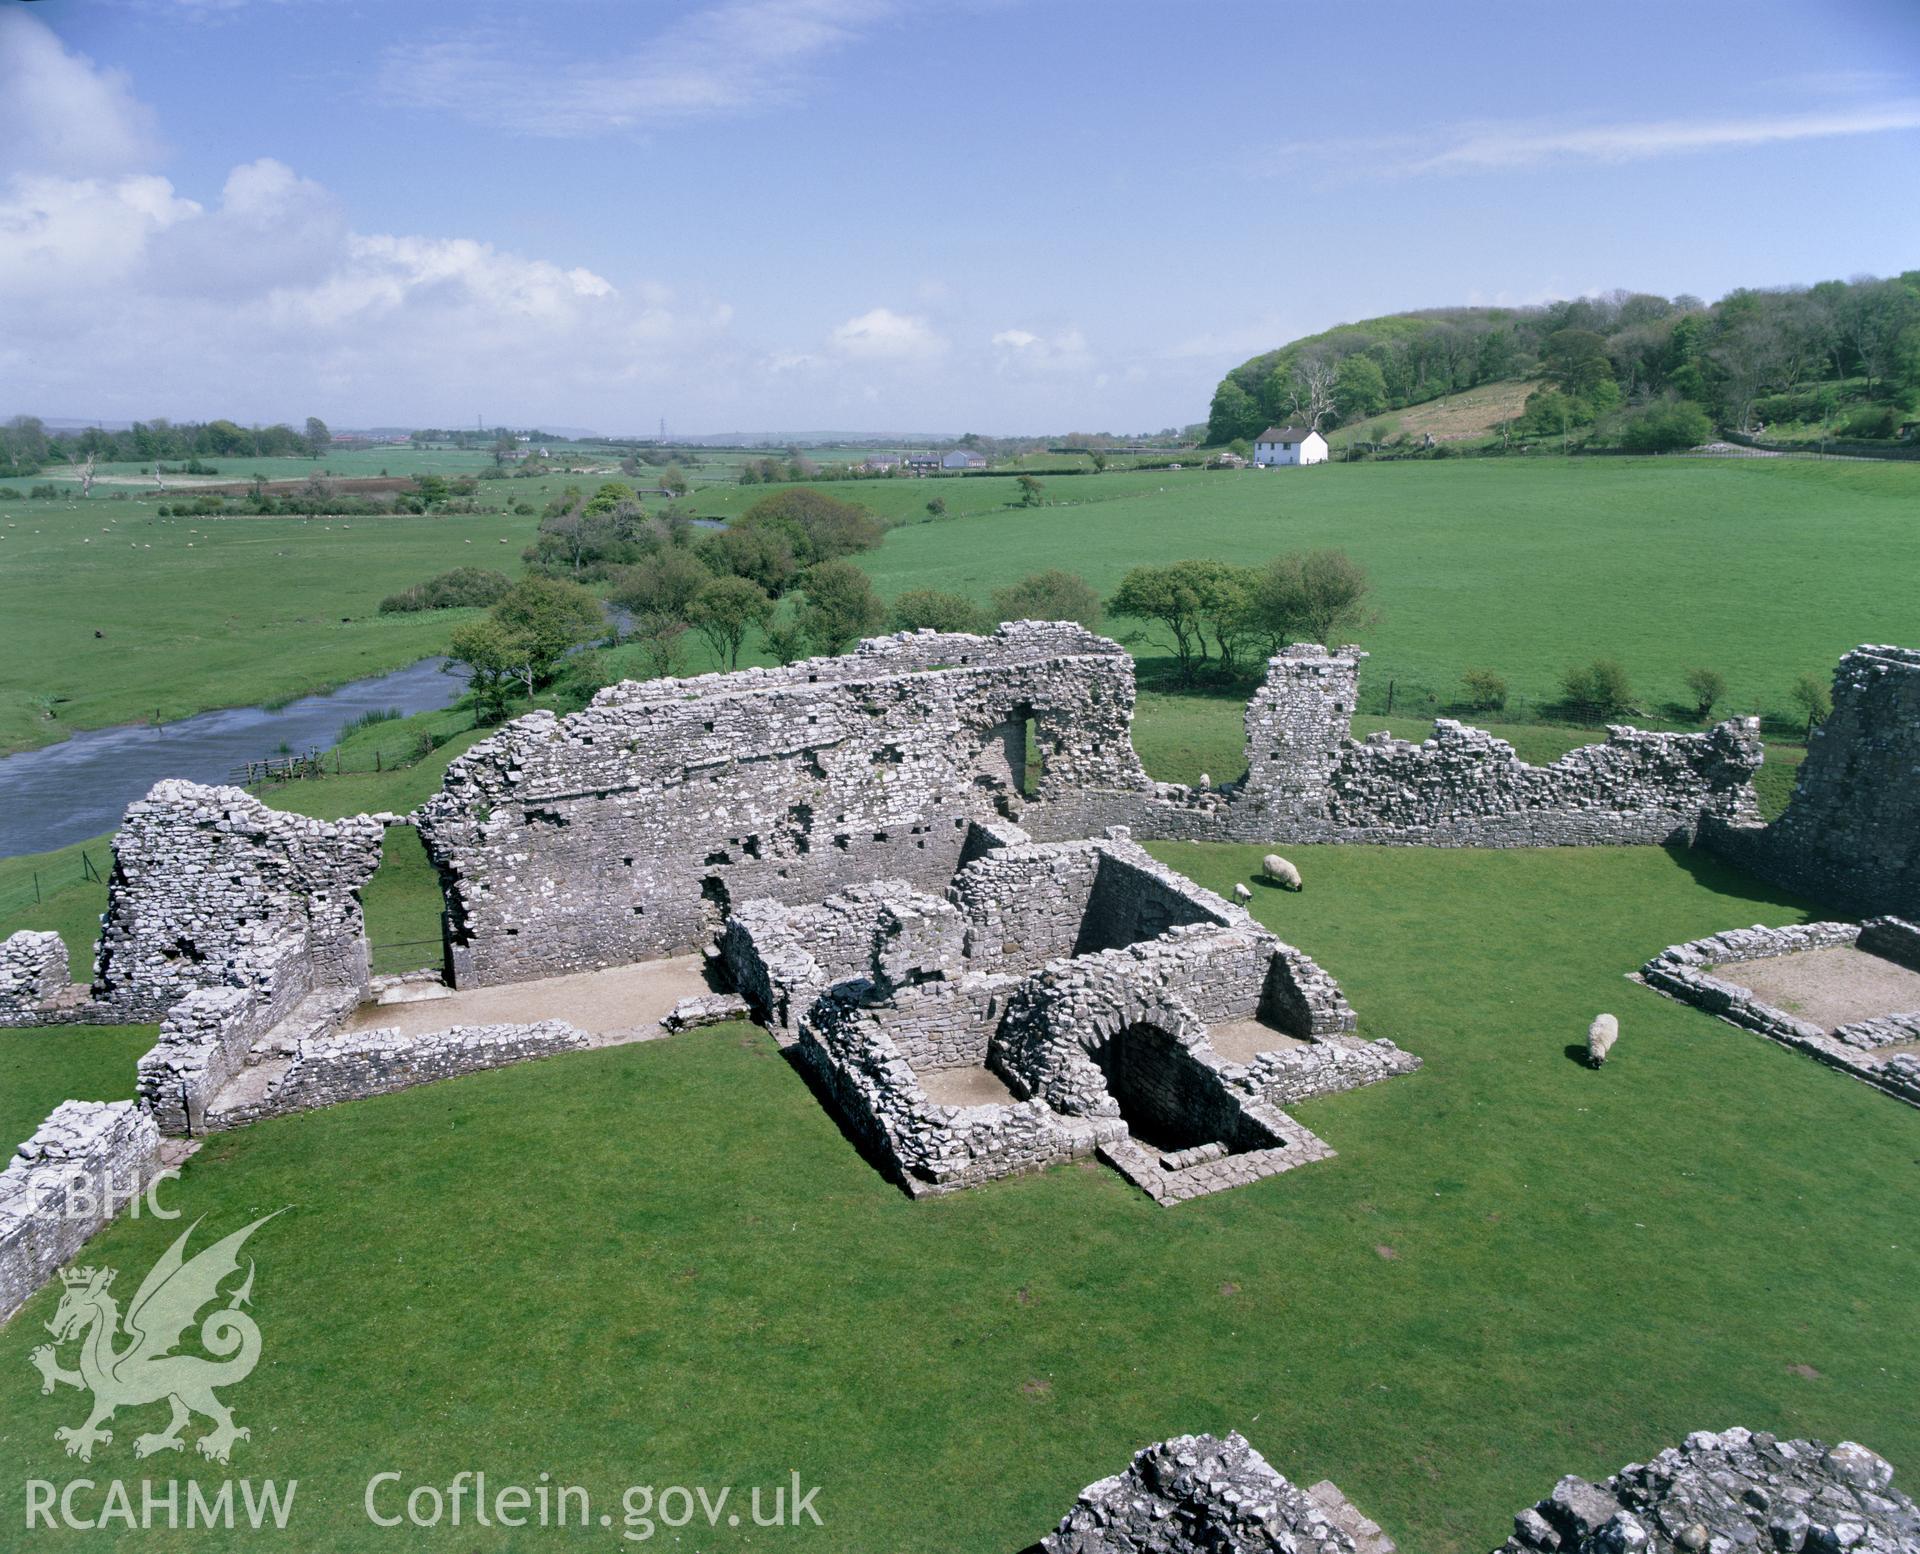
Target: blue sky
[(993, 215)]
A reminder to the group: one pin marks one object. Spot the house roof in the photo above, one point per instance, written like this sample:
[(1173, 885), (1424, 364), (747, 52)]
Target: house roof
[(1286, 434)]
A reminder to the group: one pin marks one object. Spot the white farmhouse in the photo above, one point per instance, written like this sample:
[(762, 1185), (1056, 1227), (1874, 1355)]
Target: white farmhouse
[(1290, 445)]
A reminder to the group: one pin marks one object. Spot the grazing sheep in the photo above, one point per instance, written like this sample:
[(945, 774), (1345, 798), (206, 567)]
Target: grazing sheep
[(1206, 782), (1601, 1035), (1241, 894), (1282, 873)]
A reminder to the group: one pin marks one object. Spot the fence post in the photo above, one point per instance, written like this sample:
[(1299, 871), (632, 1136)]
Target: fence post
[(1389, 698), (36, 887)]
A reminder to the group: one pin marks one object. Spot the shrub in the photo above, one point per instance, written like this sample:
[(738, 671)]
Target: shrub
[(9, 494), (1874, 421), (1809, 695), (1708, 688), (45, 493), (920, 608), (1665, 427), (1053, 595), (1599, 689), (461, 589), (1485, 690)]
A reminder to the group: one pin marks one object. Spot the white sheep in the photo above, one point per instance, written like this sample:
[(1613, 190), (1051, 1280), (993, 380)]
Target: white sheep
[(1206, 782), (1241, 894), (1282, 873), (1601, 1035)]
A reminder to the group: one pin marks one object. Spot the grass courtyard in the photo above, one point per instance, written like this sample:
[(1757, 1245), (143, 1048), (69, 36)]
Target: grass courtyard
[(663, 1264)]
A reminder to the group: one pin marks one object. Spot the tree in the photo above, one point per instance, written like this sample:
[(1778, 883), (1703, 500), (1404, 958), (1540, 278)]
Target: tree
[(318, 438), (1052, 595), (724, 611), (937, 508), (1234, 413), (1597, 690), (761, 553), (1359, 390), (495, 664), (504, 447), (673, 480), (1809, 694), (1575, 361), (820, 527), (1030, 490), (927, 608), (1185, 599), (787, 642), (1708, 688), (1310, 390), (549, 618), (840, 607), (1311, 596)]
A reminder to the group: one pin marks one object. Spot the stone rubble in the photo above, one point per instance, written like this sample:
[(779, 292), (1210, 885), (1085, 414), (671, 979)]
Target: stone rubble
[(1200, 1494), (1733, 1491)]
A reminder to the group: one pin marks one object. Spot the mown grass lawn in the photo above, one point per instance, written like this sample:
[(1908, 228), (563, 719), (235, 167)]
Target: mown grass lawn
[(664, 1263)]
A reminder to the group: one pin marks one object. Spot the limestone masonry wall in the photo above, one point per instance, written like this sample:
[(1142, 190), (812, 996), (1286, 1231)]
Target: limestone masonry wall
[(211, 888), (621, 832), (1851, 835), (351, 1066), (204, 1042), (1309, 780), (85, 1161), (34, 986)]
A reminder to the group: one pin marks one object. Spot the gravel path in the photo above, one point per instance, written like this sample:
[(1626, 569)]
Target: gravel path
[(623, 1003)]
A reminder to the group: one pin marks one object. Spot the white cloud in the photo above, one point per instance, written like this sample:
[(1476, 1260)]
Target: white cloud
[(1501, 145), (1521, 145), (883, 335), (736, 57), (62, 114), (1021, 351), (124, 297)]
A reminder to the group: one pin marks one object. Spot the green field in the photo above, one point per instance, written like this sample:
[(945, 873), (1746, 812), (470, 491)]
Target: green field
[(664, 1264)]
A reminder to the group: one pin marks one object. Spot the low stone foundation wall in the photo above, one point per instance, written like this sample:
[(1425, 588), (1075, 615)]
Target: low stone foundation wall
[(329, 1069), (1328, 1067), (1738, 1489), (1681, 971), (204, 1042), (85, 1161)]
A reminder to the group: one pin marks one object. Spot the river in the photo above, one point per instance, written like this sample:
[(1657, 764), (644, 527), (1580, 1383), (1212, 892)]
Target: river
[(80, 787)]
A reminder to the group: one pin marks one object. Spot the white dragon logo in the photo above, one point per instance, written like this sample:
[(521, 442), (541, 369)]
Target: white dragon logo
[(145, 1369)]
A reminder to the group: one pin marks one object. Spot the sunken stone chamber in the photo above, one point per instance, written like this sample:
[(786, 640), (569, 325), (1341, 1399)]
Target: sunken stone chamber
[(1055, 1003)]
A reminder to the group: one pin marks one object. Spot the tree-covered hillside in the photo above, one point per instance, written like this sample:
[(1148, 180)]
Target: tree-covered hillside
[(1841, 357)]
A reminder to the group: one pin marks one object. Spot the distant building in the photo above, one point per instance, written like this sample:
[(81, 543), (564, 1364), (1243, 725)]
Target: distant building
[(1229, 460), (922, 463), (961, 459), (1290, 445), (880, 463)]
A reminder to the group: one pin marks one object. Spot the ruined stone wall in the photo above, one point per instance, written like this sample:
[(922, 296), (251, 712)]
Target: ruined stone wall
[(886, 934), (1025, 905), (34, 986), (1309, 780), (620, 833), (85, 1161), (1851, 835), (925, 1147), (204, 1042), (211, 888)]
